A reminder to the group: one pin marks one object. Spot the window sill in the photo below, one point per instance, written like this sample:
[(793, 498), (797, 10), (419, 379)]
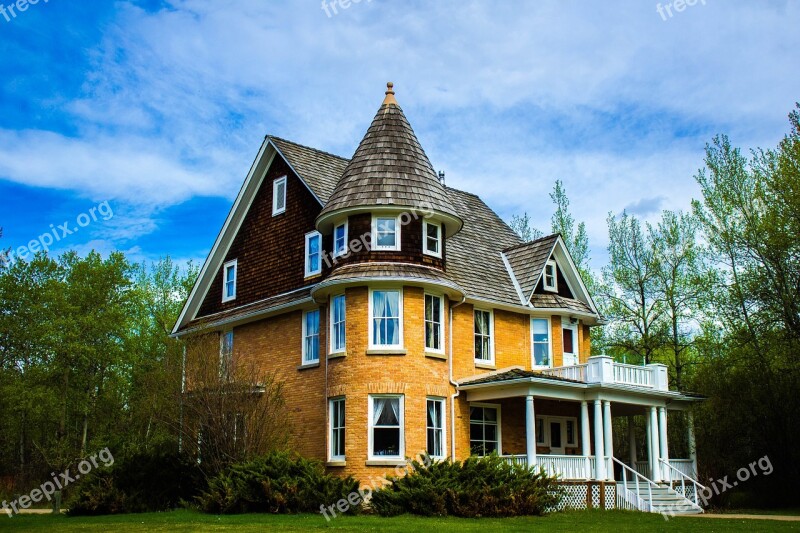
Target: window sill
[(315, 275), (387, 351), (307, 366), (336, 464), (436, 355), (386, 462), (485, 366), (337, 355)]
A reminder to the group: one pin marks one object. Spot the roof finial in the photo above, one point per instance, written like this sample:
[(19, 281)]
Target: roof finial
[(389, 95)]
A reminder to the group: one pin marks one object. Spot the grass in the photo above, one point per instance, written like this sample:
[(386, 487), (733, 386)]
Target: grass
[(616, 521)]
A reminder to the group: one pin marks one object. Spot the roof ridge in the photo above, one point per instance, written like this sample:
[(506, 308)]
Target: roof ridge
[(535, 241), (275, 137)]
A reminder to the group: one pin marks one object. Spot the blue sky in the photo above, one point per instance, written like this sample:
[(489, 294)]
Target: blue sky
[(159, 107)]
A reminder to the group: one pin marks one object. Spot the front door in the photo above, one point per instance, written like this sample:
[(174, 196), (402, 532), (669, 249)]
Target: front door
[(556, 437), (570, 344)]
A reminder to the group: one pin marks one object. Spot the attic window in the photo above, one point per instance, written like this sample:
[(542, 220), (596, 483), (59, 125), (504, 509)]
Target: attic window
[(229, 272), (279, 196), (550, 283)]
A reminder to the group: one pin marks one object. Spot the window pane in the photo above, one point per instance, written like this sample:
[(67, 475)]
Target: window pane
[(490, 414), (540, 430), (386, 441), (386, 411), (432, 238), (386, 318), (570, 432), (568, 341), (340, 243), (541, 354), (387, 232)]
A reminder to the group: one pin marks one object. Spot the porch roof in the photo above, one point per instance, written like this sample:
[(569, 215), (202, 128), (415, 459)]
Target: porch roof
[(517, 381)]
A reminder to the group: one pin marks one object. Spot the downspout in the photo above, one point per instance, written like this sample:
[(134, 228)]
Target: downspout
[(183, 393), (452, 381)]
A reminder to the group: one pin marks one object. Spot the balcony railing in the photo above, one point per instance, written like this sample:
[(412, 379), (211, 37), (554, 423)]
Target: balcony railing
[(602, 369)]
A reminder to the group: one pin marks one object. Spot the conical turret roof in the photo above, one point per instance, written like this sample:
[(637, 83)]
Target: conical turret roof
[(390, 169)]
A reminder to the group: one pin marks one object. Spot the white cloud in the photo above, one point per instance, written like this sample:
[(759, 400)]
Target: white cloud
[(177, 101)]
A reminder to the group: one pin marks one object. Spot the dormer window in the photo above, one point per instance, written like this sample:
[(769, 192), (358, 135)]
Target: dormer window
[(313, 254), (229, 281), (550, 279), (340, 240), (279, 196), (385, 233), (432, 238)]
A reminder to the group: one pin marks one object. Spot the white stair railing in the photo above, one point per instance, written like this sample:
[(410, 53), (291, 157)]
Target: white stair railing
[(640, 479), (684, 478)]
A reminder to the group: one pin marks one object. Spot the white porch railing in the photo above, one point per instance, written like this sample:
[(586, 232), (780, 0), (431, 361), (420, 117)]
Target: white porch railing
[(573, 372), (566, 467), (684, 466), (684, 480), (643, 468), (603, 370), (637, 376), (633, 496)]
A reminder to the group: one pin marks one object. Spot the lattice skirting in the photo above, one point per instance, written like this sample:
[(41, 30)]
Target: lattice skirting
[(595, 496), (574, 497), (611, 496)]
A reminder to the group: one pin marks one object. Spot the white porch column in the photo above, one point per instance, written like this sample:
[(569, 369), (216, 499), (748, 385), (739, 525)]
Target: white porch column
[(654, 446), (692, 444), (599, 454), (530, 430), (586, 447), (632, 441), (664, 449), (608, 437)]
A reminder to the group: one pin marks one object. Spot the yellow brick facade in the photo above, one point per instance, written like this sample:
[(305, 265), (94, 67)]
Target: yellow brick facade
[(275, 345)]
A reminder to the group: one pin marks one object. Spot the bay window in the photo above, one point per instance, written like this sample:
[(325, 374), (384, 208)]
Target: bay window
[(386, 324), (386, 435)]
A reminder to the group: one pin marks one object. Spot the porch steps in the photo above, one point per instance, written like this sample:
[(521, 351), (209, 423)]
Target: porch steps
[(665, 500)]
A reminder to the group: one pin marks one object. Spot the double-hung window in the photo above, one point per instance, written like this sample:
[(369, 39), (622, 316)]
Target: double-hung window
[(433, 323), (340, 240), (386, 439), (338, 324), (311, 337), (229, 272), (226, 355), (483, 337), (435, 428), (337, 416), (313, 253), (279, 196), (432, 237), (385, 233), (484, 430), (386, 324), (550, 276), (541, 341)]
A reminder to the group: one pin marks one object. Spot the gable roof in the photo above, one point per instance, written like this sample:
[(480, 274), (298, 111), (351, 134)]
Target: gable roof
[(527, 263), (390, 168), (319, 170), (486, 259)]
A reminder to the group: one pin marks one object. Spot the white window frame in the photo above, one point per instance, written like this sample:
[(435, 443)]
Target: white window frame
[(225, 358), (442, 430), (336, 252), (549, 343), (371, 427), (334, 348), (333, 428), (276, 209), (235, 264), (547, 286), (489, 361), (499, 423), (576, 350), (371, 317), (440, 349), (307, 262), (305, 361), (397, 232), (439, 243), (541, 436)]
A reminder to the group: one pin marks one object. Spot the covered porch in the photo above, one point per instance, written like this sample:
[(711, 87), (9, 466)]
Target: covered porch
[(561, 419)]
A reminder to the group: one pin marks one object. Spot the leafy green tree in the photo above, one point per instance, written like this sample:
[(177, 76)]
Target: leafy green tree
[(575, 237), (522, 226)]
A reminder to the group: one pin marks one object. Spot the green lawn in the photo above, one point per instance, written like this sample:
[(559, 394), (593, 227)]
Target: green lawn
[(615, 521)]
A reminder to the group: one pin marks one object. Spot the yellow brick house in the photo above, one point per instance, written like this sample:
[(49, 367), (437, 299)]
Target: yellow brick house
[(405, 317)]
